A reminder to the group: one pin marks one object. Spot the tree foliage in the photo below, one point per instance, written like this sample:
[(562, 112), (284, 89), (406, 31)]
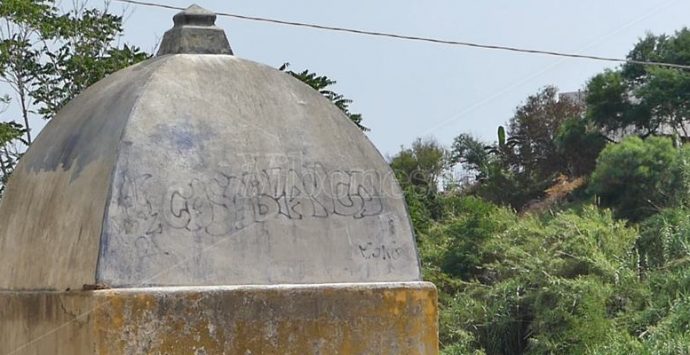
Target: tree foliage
[(578, 278), (530, 154), (579, 145), (573, 278), (638, 178), (418, 170), (534, 128), (665, 239), (643, 98), (421, 165), (470, 152), (322, 83), (11, 134), (48, 56), (537, 285)]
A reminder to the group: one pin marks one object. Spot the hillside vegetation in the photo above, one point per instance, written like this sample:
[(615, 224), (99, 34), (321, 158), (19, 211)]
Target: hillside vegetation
[(572, 233)]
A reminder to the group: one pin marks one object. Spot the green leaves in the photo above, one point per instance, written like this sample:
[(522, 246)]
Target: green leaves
[(10, 131), (466, 233), (525, 159), (534, 284), (583, 280), (321, 83), (470, 152), (639, 178), (48, 57), (607, 102), (421, 165), (535, 125), (86, 55), (579, 144), (11, 134), (645, 98), (665, 239), (29, 12)]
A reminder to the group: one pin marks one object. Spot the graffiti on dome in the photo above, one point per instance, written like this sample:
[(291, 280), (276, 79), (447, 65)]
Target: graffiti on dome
[(227, 202)]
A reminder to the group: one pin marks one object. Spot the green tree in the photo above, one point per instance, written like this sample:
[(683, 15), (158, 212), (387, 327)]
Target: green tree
[(525, 160), (11, 134), (322, 83), (534, 128), (638, 178), (579, 144), (550, 285), (418, 170), (421, 165), (663, 321), (470, 152), (473, 224), (48, 56), (665, 238), (642, 97)]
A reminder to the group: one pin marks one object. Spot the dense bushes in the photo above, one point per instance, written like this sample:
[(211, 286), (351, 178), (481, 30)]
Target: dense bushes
[(571, 278), (568, 278), (565, 241), (577, 281), (465, 235), (640, 177), (665, 239), (566, 270)]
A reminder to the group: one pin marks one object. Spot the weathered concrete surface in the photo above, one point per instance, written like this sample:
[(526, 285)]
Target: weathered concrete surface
[(195, 32), (202, 170), (207, 171), (231, 172), (383, 318), (51, 216)]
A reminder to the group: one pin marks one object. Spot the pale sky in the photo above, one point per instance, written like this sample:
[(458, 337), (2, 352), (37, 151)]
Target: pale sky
[(409, 89)]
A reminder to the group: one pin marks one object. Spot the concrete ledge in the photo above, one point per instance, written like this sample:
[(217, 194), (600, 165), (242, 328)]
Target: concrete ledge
[(355, 318)]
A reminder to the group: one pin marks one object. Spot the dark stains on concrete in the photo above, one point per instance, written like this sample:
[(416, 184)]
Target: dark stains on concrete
[(89, 127)]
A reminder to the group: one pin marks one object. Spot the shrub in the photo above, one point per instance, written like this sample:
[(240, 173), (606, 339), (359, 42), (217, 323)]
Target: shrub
[(475, 221), (638, 178), (665, 238), (549, 284)]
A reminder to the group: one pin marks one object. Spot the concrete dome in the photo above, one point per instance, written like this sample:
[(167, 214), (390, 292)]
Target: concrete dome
[(202, 169)]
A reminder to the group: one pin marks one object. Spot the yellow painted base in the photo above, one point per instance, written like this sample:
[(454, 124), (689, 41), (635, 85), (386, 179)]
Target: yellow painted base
[(377, 318)]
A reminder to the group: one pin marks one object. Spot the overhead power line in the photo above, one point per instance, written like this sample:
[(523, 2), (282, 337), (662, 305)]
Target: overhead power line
[(420, 39)]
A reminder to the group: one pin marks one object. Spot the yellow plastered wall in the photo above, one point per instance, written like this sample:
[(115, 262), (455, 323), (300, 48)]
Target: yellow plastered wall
[(353, 319)]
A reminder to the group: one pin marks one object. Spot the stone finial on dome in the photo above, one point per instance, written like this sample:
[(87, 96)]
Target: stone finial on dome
[(195, 32)]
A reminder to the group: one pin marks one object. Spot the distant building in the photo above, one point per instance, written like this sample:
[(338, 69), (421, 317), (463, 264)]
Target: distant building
[(577, 97)]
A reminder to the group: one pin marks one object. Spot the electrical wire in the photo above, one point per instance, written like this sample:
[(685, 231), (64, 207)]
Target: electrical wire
[(419, 39)]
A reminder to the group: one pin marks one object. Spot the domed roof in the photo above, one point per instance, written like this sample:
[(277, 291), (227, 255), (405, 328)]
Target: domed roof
[(202, 169)]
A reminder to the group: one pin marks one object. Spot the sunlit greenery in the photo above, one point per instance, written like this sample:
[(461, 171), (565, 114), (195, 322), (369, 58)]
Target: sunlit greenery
[(573, 237)]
